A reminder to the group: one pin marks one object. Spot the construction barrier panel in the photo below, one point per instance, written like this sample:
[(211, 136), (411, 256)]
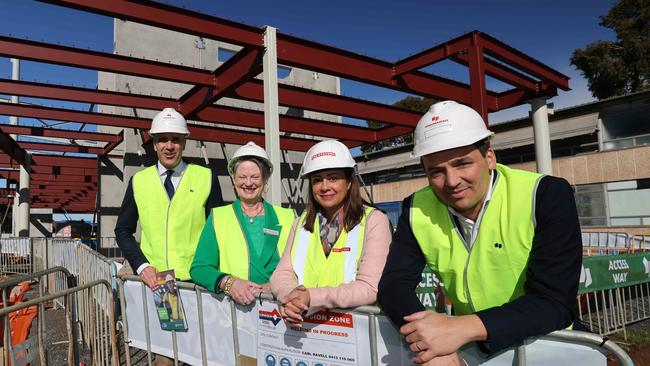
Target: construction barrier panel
[(223, 333), (614, 291)]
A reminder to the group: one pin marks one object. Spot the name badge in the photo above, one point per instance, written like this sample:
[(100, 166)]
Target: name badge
[(339, 250), (271, 232)]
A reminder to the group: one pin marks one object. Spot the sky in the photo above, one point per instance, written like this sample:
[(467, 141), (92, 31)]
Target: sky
[(548, 31)]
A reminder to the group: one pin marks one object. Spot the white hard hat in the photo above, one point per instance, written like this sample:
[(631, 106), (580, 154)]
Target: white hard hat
[(169, 121), (448, 125), (250, 149), (329, 154)]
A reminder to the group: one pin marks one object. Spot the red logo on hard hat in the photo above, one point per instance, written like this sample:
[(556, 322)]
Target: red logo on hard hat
[(321, 154), (434, 118)]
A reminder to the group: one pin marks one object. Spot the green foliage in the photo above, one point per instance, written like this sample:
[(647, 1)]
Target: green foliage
[(621, 67), (412, 103)]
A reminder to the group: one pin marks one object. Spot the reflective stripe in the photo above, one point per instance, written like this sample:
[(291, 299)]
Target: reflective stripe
[(300, 255), (350, 267)]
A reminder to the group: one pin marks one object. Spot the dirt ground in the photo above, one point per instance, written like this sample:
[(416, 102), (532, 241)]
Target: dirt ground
[(637, 344)]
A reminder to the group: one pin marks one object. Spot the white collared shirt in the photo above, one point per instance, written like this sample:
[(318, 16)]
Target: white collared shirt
[(176, 176), (468, 228)]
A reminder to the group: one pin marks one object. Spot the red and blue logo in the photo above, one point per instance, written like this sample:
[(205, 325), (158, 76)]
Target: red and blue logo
[(272, 316)]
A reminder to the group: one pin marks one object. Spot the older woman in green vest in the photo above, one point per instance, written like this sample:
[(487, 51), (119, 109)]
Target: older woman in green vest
[(241, 243), (337, 250)]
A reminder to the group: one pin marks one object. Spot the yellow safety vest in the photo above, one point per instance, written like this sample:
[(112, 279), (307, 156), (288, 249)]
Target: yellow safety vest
[(234, 250), (311, 266), (171, 229), (492, 271)]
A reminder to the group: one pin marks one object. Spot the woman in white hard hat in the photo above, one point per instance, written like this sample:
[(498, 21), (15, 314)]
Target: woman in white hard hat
[(241, 243), (337, 249)]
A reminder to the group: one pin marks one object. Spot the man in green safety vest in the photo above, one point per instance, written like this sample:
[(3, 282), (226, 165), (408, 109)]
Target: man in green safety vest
[(505, 244), (171, 199)]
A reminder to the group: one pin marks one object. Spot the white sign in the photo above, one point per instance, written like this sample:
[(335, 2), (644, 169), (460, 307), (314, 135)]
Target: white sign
[(326, 338), (332, 339)]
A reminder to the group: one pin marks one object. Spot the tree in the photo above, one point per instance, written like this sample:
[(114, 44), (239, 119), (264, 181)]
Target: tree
[(621, 67), (413, 103)]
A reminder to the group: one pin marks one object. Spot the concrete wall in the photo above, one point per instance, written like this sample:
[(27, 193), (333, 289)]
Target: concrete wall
[(133, 39), (40, 222), (601, 167)]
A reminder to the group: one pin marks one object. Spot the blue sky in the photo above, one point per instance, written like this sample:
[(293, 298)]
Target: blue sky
[(548, 31), (391, 30)]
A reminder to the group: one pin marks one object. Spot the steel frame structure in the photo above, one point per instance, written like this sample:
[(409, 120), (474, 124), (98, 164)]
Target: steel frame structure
[(57, 181)]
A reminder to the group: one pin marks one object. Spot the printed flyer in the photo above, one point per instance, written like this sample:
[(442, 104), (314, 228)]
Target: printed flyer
[(168, 304), (326, 338)]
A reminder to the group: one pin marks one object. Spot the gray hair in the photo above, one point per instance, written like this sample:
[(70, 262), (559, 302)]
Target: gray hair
[(266, 171)]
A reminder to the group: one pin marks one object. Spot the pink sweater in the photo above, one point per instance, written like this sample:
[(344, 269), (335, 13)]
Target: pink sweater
[(361, 291)]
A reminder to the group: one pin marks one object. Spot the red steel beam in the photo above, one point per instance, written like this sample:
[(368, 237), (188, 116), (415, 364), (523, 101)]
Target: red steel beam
[(41, 178), (292, 96), (198, 132), (246, 64), (505, 74), (65, 161), (514, 97), (76, 94), (510, 55), (112, 145), (60, 147), (157, 14), (432, 55), (58, 133), (477, 77), (11, 148), (292, 51), (71, 56), (219, 114)]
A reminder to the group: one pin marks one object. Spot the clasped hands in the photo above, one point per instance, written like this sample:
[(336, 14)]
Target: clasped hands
[(295, 305)]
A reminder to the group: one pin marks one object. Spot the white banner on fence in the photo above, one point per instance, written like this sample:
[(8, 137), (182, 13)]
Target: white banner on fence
[(220, 346), (323, 338)]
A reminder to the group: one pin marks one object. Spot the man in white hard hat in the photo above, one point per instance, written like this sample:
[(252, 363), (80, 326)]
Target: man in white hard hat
[(171, 199), (505, 243)]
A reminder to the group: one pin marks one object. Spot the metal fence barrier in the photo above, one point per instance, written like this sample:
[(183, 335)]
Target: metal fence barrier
[(24, 352), (231, 333), (110, 358), (640, 243), (605, 311), (604, 243), (16, 255)]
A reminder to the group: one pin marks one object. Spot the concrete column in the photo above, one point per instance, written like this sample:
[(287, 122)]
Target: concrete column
[(539, 114), (271, 115), (22, 222)]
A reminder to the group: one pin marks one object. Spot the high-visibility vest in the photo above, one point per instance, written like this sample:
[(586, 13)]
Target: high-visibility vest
[(234, 249), (171, 229), (492, 271), (314, 269)]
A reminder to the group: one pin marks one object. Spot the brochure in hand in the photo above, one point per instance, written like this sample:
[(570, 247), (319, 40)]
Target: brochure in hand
[(169, 306)]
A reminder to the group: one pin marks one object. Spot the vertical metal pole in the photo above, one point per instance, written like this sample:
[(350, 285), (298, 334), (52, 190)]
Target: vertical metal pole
[(539, 113), (23, 198), (271, 114), (13, 120)]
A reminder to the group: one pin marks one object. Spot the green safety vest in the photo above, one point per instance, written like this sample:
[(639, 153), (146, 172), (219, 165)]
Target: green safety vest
[(171, 229), (491, 272), (311, 266), (234, 250)]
